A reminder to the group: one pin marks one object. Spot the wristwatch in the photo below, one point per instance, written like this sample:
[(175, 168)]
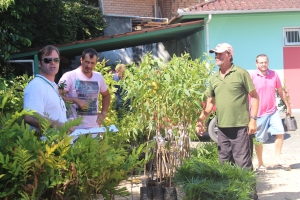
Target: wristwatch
[(254, 117)]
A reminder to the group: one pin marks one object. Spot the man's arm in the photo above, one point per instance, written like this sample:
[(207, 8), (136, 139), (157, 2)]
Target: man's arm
[(81, 103), (283, 95), (210, 102), (254, 110), (34, 121), (105, 106)]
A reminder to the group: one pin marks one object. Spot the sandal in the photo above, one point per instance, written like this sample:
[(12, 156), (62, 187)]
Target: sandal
[(261, 169)]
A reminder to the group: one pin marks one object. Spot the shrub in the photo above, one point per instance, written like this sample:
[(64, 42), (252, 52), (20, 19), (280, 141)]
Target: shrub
[(51, 167), (203, 177)]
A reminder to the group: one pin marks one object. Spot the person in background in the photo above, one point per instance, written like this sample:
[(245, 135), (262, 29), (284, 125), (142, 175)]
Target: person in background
[(117, 76), (41, 94), (266, 82), (120, 72), (82, 88)]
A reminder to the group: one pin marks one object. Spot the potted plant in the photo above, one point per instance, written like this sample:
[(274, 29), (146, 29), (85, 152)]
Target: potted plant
[(165, 98)]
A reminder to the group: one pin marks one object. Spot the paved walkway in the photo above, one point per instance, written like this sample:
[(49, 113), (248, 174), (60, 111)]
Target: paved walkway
[(276, 183)]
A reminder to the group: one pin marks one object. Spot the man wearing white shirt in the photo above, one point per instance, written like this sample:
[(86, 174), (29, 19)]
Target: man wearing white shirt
[(41, 94)]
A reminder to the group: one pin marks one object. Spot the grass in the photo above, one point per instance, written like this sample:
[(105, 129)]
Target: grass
[(203, 177)]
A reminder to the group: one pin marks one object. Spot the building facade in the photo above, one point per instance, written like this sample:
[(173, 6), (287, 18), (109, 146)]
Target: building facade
[(146, 8)]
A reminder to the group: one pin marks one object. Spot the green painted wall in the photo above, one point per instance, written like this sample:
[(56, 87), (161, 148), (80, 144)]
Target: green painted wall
[(253, 34), (197, 44), (181, 46)]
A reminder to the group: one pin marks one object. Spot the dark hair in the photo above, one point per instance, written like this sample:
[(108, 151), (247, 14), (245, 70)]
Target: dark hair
[(262, 55), (46, 50), (91, 52)]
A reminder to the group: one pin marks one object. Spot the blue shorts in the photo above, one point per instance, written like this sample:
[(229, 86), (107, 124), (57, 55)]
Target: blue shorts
[(269, 123)]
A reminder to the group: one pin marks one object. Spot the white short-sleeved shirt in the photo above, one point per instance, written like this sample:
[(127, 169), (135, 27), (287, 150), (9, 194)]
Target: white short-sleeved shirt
[(41, 95), (88, 89)]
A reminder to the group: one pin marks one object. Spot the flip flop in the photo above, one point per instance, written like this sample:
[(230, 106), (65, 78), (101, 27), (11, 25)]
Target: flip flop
[(286, 167), (262, 169)]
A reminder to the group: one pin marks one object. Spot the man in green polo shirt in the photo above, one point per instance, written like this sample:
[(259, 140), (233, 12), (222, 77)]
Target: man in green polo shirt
[(229, 89)]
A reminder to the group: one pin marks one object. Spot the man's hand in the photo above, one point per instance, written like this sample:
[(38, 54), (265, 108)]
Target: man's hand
[(288, 111), (100, 118), (71, 130), (200, 128), (252, 127), (81, 104)]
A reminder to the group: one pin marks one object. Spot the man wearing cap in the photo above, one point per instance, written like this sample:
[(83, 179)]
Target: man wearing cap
[(229, 89)]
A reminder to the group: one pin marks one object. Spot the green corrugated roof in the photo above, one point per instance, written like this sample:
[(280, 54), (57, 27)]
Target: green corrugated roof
[(146, 36)]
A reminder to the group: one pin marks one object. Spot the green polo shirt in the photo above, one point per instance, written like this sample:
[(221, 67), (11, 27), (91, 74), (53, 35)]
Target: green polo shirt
[(231, 96)]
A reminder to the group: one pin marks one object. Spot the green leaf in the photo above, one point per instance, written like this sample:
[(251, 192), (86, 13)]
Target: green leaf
[(187, 92), (167, 77)]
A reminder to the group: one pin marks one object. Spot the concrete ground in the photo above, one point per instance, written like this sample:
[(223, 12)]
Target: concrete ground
[(276, 183)]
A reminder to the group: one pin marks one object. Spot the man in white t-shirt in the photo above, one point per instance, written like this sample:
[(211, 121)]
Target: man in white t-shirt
[(41, 94), (82, 87)]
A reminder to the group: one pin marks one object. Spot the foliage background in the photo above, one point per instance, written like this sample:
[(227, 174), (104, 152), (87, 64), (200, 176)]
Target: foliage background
[(36, 23)]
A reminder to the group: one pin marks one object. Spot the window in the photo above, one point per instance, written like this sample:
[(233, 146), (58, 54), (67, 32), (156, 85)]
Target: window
[(292, 37)]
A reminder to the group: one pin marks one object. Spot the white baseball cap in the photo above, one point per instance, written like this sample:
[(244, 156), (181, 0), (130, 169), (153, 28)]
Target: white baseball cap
[(220, 48)]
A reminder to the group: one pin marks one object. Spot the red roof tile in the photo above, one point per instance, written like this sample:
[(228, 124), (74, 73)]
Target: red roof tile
[(235, 5)]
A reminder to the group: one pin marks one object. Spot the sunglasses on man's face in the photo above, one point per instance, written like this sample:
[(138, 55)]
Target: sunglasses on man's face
[(48, 60)]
